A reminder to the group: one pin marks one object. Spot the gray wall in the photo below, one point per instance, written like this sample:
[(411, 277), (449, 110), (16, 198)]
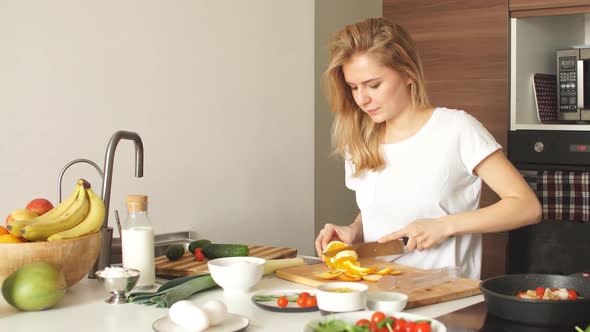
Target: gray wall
[(334, 202)]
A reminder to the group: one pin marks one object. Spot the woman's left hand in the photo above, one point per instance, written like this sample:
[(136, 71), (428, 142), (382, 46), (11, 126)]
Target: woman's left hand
[(422, 234)]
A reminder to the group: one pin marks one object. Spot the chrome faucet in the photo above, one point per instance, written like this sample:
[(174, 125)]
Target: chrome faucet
[(104, 258)]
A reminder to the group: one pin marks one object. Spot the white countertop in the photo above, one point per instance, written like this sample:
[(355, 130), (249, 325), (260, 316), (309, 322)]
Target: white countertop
[(84, 309)]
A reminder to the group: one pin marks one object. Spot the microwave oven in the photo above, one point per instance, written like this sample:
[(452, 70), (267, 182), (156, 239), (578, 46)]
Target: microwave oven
[(573, 84)]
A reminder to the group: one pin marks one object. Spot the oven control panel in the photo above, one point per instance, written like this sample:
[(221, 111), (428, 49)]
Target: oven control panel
[(549, 147)]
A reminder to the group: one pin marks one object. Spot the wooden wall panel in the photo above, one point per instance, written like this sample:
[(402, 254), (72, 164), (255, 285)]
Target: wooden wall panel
[(544, 4), (463, 45)]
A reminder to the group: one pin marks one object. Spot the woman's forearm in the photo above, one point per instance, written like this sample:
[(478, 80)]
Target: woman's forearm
[(508, 213)]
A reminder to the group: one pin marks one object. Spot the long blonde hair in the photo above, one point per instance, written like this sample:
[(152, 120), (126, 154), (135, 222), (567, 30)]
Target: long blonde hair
[(354, 134)]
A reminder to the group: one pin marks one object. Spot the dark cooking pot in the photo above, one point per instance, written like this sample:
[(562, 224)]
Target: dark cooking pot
[(500, 296)]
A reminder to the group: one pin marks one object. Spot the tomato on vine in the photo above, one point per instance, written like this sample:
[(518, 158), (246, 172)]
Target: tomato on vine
[(311, 301), (377, 316), (282, 302), (423, 327)]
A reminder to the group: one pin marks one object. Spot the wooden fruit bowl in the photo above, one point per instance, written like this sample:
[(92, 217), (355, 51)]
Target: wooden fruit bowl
[(74, 256)]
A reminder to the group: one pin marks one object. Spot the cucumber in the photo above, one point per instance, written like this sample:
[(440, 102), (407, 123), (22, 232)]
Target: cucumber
[(174, 252), (216, 250), (198, 244)]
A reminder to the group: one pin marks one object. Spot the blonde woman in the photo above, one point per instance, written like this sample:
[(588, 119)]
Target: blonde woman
[(417, 170)]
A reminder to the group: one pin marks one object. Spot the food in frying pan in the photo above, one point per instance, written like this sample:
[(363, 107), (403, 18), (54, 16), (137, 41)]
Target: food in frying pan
[(542, 293)]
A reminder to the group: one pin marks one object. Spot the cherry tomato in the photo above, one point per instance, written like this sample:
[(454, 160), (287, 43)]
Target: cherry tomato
[(377, 316), (199, 256), (311, 301), (301, 301), (540, 292), (373, 327), (423, 327), (282, 302), (572, 295), (304, 295), (362, 322), (410, 327), (400, 325), (383, 329)]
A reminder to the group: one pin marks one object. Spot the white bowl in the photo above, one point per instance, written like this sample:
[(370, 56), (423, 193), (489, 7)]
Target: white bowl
[(342, 296), (387, 302), (236, 274)]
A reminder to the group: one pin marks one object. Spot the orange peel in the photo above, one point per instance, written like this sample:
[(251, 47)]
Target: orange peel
[(372, 277)]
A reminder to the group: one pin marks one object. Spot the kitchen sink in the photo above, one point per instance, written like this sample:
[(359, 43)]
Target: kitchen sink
[(161, 243)]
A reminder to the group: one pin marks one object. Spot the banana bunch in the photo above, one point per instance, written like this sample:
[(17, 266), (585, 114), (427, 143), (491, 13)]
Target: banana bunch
[(80, 214)]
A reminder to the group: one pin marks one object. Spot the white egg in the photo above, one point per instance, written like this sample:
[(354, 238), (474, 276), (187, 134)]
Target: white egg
[(189, 316), (178, 309), (216, 311)]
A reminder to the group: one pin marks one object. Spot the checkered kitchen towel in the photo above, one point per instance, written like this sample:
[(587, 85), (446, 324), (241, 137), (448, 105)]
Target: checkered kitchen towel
[(564, 195)]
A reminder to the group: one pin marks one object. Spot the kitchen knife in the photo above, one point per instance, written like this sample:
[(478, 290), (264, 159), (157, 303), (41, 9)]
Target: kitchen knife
[(372, 249)]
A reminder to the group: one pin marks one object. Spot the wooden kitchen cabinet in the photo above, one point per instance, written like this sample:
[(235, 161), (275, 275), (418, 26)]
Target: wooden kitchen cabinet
[(527, 8), (463, 45)]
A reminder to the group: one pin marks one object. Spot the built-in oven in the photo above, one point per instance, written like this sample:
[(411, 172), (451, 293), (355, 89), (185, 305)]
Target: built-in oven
[(556, 164), (573, 85)]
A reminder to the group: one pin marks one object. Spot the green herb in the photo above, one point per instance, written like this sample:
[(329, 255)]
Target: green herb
[(578, 329), (173, 291), (335, 325), (266, 298)]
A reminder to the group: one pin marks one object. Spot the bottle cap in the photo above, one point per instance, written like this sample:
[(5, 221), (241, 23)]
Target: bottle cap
[(137, 203)]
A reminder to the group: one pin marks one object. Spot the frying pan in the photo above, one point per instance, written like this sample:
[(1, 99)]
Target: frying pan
[(500, 296)]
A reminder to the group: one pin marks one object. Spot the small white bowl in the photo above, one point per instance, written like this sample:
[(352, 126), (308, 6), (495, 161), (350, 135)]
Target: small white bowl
[(342, 296), (387, 302), (236, 274)]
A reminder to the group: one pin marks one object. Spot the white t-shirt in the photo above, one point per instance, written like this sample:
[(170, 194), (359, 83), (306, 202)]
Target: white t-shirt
[(428, 175)]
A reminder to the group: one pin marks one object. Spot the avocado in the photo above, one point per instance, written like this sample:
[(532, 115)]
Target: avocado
[(216, 250), (198, 244), (174, 252), (35, 286)]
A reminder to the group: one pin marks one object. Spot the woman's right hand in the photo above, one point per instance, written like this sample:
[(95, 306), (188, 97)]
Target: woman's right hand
[(332, 232)]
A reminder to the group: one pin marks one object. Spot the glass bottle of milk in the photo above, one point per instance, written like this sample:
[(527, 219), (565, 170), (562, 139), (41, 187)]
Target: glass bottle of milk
[(138, 241)]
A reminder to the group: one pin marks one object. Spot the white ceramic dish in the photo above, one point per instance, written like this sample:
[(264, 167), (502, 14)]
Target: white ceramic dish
[(331, 301), (353, 317), (387, 302), (272, 304), (232, 323), (236, 274)]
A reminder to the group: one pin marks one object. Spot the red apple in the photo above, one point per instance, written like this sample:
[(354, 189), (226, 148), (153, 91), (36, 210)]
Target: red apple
[(39, 205), (21, 214)]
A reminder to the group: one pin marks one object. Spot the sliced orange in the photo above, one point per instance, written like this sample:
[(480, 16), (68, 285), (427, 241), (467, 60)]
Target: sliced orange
[(333, 245), (372, 277), (344, 277), (345, 255), (328, 275), (358, 269), (3, 230), (384, 271)]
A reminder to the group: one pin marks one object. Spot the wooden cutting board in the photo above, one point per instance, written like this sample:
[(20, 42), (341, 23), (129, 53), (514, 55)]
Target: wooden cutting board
[(418, 297), (187, 265)]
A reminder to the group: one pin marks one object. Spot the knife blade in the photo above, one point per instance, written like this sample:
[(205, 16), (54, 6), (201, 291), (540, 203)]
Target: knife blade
[(372, 249)]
